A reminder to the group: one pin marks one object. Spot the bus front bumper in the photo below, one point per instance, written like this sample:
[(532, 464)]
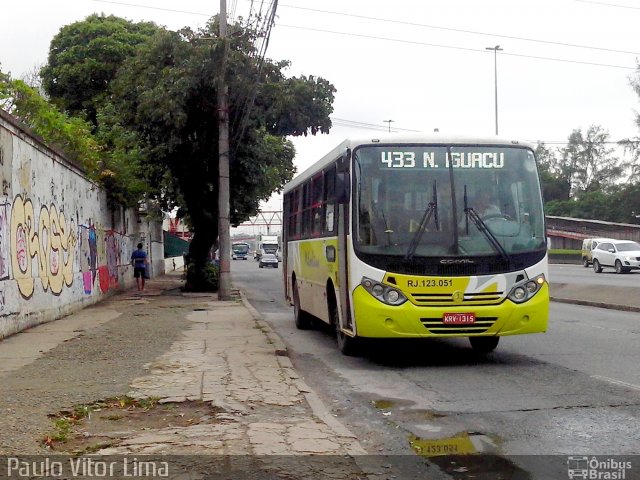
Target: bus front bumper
[(375, 319)]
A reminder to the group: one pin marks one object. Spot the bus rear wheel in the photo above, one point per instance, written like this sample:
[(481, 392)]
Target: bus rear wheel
[(484, 345), (303, 319)]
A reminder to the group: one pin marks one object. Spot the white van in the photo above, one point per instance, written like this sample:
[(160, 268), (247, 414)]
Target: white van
[(588, 244)]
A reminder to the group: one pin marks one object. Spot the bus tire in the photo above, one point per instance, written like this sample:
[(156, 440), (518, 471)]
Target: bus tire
[(585, 262), (349, 346), (303, 319), (484, 345)]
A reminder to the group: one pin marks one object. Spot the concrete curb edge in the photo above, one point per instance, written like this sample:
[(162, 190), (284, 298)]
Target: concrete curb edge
[(587, 303), (317, 406)]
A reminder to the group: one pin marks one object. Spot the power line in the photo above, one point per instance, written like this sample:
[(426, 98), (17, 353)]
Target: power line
[(608, 4), (415, 42), (341, 122), (459, 30), (535, 57), (154, 8)]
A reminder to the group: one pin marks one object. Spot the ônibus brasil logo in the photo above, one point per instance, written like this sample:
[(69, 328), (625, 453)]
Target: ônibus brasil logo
[(594, 468)]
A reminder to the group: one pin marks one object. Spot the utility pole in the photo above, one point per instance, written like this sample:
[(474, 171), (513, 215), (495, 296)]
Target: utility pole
[(389, 122), (224, 240), (495, 69)]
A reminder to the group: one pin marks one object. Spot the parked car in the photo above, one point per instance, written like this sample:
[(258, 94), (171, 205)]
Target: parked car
[(622, 255), (588, 244), (268, 260)]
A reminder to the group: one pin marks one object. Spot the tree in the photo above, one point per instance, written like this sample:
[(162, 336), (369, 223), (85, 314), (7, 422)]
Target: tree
[(84, 58), (554, 186), (69, 134), (589, 163), (103, 157), (166, 94)]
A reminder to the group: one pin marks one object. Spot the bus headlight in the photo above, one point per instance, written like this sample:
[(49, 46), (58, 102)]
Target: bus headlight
[(523, 291), (384, 293)]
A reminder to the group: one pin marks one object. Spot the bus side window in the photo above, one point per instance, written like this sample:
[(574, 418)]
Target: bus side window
[(329, 200), (306, 210)]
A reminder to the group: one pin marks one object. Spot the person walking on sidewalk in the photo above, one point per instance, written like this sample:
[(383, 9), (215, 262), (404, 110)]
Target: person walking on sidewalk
[(140, 263)]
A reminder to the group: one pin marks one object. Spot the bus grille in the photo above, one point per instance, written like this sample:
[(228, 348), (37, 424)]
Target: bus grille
[(435, 325), (447, 298), (453, 270)]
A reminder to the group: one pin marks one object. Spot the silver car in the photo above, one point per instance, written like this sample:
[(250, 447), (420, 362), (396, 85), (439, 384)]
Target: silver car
[(268, 260), (622, 255)]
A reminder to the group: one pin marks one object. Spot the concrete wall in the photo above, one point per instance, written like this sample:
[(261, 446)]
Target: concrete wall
[(61, 247)]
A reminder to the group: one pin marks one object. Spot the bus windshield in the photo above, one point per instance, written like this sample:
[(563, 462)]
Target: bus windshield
[(422, 201)]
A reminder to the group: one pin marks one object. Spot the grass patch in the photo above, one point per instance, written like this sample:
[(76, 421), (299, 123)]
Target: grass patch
[(65, 421), (562, 251)]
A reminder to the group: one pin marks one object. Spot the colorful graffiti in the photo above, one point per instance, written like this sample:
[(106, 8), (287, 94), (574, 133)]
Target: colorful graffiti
[(109, 273), (88, 248), (101, 254), (4, 241), (51, 238)]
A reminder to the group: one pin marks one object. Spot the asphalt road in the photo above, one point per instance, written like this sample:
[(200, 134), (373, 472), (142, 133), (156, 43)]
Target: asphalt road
[(577, 274), (572, 391)]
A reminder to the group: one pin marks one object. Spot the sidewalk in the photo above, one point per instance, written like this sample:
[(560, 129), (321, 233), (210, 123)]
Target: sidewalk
[(227, 357), (231, 358)]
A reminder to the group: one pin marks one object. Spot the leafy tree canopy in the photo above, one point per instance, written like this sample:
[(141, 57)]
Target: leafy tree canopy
[(71, 135), (167, 95), (85, 56), (101, 156)]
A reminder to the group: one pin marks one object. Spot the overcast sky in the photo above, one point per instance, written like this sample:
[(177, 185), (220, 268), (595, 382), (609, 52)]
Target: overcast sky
[(565, 64)]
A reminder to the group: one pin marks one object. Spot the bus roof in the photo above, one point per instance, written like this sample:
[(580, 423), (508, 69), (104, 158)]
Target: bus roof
[(430, 138)]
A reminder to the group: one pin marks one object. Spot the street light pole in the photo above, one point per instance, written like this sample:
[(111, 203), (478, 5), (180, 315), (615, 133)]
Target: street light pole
[(495, 69), (389, 122), (224, 239)]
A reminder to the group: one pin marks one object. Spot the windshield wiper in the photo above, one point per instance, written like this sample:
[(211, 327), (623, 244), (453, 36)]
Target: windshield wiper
[(470, 213), (432, 209)]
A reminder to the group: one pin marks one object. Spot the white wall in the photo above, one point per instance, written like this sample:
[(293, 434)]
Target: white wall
[(61, 247)]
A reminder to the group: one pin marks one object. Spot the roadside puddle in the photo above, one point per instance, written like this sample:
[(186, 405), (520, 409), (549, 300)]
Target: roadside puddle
[(468, 455)]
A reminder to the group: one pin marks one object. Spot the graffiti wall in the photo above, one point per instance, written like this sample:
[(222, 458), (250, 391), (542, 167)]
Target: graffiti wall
[(61, 247)]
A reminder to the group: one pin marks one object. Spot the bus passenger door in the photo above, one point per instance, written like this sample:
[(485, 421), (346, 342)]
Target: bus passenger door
[(342, 189)]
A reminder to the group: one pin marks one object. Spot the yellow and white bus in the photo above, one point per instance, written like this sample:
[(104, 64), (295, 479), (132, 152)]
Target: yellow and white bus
[(418, 236)]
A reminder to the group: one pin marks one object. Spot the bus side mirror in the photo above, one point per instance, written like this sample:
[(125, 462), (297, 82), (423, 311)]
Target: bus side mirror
[(342, 188)]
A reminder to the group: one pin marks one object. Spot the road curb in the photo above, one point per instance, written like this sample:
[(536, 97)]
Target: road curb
[(588, 303), (279, 347), (318, 408)]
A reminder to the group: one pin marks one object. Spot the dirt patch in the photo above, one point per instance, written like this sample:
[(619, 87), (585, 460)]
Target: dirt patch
[(88, 428)]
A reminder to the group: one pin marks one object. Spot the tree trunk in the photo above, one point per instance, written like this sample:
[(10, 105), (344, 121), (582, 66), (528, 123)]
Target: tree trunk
[(203, 240)]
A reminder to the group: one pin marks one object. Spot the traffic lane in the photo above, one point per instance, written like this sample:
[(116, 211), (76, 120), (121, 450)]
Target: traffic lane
[(599, 342), (263, 287), (577, 274), (528, 397)]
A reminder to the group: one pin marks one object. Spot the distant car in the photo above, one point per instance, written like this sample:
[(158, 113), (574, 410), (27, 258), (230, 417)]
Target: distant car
[(268, 260), (588, 244), (622, 255)]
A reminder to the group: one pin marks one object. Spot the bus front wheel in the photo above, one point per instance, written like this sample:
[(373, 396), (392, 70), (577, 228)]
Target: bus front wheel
[(484, 345), (349, 346), (302, 318)]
